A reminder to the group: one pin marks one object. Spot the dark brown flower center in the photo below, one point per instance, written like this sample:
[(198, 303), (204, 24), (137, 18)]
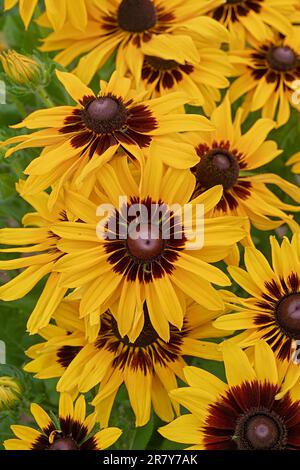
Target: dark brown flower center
[(260, 430), (137, 16), (145, 243), (104, 115), (160, 64), (282, 58), (233, 2), (64, 443), (147, 336), (217, 167), (288, 315)]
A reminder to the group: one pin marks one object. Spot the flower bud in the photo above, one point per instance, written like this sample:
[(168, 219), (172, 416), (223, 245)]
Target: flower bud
[(20, 69)]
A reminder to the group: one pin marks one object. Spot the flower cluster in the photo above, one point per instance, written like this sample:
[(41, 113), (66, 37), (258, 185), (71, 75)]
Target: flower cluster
[(153, 176)]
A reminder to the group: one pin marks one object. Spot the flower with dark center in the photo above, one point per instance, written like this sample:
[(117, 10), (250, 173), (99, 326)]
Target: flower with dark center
[(270, 66), (142, 247), (86, 136), (137, 16), (236, 14), (233, 159), (273, 309), (247, 413), (135, 28), (145, 363), (76, 430)]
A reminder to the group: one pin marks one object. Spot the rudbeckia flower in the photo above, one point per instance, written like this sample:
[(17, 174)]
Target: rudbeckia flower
[(201, 80), (148, 366), (135, 28), (64, 339), (37, 246), (75, 431), (294, 162), (79, 139), (242, 414), (266, 73), (57, 12), (233, 159), (158, 261), (255, 18), (272, 310)]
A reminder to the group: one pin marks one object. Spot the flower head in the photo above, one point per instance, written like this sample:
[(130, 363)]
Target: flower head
[(233, 159), (135, 28), (79, 140), (148, 366), (266, 73), (271, 312), (75, 430), (38, 249), (248, 19), (244, 414), (162, 258)]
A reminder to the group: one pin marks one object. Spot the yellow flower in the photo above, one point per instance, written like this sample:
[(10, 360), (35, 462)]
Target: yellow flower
[(244, 414), (148, 366), (166, 257), (10, 392), (135, 28), (63, 341), (248, 19), (79, 139), (266, 73), (229, 157), (75, 430), (201, 80), (40, 245), (19, 68), (272, 310), (57, 12)]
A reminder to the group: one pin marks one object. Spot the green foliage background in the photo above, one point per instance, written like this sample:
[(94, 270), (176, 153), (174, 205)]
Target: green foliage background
[(13, 315)]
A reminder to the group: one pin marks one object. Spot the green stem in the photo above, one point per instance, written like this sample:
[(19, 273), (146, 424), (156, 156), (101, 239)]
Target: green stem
[(20, 107), (44, 97), (133, 439)]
